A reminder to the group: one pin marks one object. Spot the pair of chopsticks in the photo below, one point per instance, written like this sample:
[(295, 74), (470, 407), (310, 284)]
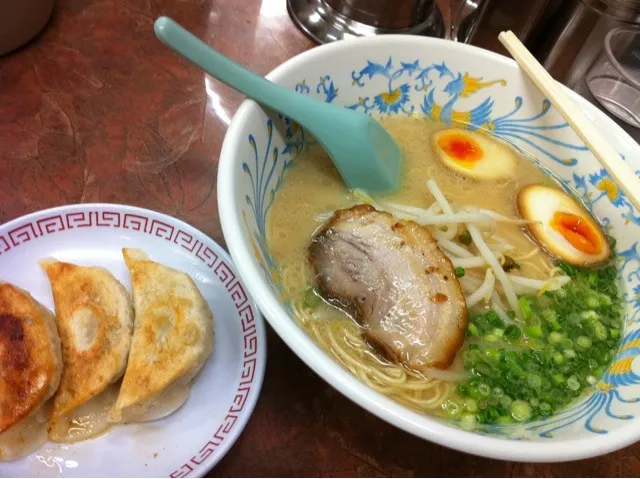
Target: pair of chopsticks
[(609, 158)]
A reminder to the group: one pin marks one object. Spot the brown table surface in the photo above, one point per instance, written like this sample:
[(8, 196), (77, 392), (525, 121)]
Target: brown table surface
[(97, 110)]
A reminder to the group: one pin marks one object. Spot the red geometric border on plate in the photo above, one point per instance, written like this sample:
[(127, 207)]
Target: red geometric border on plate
[(138, 222)]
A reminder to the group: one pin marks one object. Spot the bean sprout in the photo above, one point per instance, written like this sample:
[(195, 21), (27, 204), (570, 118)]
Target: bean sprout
[(485, 290), (444, 222)]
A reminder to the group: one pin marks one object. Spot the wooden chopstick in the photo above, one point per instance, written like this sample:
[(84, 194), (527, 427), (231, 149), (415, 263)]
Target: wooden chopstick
[(593, 139)]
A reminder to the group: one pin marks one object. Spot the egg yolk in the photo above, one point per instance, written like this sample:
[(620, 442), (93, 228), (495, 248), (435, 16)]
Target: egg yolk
[(577, 231), (461, 148)]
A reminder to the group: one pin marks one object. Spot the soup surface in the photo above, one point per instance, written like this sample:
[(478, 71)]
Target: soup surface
[(499, 374)]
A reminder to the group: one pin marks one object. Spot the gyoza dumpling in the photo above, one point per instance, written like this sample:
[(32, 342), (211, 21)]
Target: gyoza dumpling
[(94, 316), (30, 369), (173, 337)]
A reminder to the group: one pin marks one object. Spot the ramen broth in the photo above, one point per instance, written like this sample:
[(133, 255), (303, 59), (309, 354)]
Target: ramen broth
[(313, 186), (312, 189)]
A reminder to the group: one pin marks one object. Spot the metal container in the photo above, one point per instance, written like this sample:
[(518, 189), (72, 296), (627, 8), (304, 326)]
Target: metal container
[(21, 20), (575, 38), (480, 21), (329, 20), (575, 41), (614, 78)]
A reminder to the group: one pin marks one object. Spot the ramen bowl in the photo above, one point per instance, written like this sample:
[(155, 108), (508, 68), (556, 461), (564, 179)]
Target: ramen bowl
[(404, 75)]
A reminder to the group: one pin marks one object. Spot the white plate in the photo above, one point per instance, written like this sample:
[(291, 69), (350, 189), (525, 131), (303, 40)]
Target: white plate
[(194, 439)]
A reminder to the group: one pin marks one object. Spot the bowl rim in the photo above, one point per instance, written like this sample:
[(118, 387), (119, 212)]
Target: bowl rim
[(420, 425)]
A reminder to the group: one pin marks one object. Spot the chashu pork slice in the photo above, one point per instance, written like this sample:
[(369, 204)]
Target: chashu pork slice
[(392, 277)]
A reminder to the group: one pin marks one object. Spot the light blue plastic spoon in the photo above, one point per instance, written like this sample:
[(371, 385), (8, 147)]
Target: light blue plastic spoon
[(364, 153)]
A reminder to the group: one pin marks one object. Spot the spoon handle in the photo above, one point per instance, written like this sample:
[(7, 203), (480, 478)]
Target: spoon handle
[(286, 101)]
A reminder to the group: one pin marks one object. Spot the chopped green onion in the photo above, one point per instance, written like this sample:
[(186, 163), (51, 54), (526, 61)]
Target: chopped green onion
[(534, 331), (555, 337), (525, 306), (605, 300), (589, 314), (498, 333), (462, 389), (492, 415), (493, 354), (583, 342), (568, 269), (592, 302), (484, 389), (473, 392), (311, 298), (451, 408), (467, 421), (506, 401), (615, 323), (512, 332), (509, 264), (600, 331), (544, 408), (549, 315), (534, 381), (573, 383), (473, 330), (570, 336), (470, 405), (494, 320), (465, 238), (520, 410), (459, 271)]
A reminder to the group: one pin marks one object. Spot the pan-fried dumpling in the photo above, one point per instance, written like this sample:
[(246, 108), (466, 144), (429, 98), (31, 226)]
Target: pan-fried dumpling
[(173, 337), (30, 370), (95, 316)]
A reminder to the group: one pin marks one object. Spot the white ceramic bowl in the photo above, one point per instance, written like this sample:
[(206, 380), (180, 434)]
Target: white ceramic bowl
[(398, 75)]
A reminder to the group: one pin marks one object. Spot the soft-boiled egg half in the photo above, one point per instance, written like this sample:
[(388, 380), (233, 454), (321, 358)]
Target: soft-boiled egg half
[(473, 154), (563, 227)]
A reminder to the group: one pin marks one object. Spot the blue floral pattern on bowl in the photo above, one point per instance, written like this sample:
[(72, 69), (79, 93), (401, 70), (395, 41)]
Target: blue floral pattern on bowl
[(436, 91)]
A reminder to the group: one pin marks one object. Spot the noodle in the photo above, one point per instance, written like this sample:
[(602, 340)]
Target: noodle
[(342, 337), (500, 248), (529, 255), (298, 210)]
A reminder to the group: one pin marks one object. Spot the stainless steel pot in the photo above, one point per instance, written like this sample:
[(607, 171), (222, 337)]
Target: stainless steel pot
[(21, 20), (574, 39), (330, 20)]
